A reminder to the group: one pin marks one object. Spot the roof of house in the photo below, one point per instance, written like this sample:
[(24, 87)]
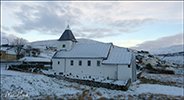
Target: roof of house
[(67, 35), (86, 50), (10, 52), (119, 56), (35, 59)]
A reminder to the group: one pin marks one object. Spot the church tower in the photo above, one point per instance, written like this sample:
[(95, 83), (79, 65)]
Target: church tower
[(67, 39)]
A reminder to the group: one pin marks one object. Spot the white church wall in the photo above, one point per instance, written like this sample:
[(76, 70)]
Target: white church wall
[(58, 65), (64, 45), (124, 72), (110, 71), (93, 69)]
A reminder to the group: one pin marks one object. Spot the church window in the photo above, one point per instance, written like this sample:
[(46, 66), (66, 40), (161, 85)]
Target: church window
[(89, 63), (128, 66), (58, 62), (63, 45), (98, 63), (71, 63), (80, 62)]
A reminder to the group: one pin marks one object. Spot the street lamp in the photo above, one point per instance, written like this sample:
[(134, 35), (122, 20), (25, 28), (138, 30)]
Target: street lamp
[(6, 52)]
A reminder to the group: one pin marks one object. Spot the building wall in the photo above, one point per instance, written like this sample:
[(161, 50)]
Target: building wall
[(93, 69), (84, 69), (3, 54), (58, 65), (12, 57), (124, 72), (110, 71), (9, 57), (133, 68), (68, 45)]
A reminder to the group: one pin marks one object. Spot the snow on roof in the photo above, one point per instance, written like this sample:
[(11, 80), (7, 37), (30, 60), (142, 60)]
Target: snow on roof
[(118, 56), (35, 59), (11, 52), (90, 50)]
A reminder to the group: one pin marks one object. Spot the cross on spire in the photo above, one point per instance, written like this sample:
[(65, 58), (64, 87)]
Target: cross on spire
[(68, 27), (68, 22)]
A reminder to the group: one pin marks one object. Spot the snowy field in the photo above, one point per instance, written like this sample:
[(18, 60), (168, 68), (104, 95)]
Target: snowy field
[(20, 85)]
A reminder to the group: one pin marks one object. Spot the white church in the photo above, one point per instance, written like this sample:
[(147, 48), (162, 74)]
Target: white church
[(93, 59)]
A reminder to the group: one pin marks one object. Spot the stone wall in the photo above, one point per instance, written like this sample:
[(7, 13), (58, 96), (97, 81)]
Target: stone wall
[(93, 83)]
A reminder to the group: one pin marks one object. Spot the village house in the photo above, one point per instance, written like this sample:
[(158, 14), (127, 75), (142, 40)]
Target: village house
[(36, 61), (151, 61), (95, 59), (11, 55)]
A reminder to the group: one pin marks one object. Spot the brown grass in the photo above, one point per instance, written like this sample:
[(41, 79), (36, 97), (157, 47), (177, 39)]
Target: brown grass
[(99, 93), (102, 98)]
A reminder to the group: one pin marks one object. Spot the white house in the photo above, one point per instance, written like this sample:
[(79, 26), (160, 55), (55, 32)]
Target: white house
[(95, 59), (151, 61)]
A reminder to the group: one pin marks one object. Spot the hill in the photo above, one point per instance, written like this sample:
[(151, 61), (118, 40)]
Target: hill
[(166, 50)]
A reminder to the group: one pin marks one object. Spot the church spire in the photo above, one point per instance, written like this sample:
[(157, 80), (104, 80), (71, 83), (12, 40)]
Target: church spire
[(67, 35)]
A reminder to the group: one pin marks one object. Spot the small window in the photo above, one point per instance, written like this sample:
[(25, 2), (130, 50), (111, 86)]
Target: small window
[(98, 63), (89, 63), (58, 62), (63, 45), (128, 66), (0, 54), (71, 63), (80, 62)]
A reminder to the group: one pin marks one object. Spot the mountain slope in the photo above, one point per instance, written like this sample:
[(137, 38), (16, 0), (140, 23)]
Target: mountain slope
[(166, 50)]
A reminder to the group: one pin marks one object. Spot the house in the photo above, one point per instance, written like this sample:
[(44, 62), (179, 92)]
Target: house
[(6, 52), (36, 61), (151, 61), (95, 59)]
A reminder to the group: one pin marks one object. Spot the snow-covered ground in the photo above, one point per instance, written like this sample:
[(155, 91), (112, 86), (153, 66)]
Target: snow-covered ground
[(176, 79), (19, 85)]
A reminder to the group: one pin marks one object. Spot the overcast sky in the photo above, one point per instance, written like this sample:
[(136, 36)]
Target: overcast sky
[(140, 25)]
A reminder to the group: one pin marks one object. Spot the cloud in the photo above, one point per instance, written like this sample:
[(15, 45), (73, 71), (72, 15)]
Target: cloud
[(133, 23), (46, 20), (161, 42), (95, 32), (5, 28)]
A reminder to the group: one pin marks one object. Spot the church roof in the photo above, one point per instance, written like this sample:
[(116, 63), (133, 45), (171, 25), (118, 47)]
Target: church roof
[(86, 50), (67, 35), (119, 56)]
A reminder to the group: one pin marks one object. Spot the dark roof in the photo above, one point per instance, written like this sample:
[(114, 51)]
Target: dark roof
[(67, 35)]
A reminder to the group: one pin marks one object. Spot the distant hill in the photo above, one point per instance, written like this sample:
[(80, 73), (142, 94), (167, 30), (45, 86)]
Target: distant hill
[(166, 50), (53, 43), (174, 54)]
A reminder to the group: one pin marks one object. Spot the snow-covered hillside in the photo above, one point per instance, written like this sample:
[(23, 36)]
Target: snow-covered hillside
[(172, 54), (53, 43), (166, 50)]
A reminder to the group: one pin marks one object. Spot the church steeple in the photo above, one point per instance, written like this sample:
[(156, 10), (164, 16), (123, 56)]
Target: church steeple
[(67, 35), (67, 40)]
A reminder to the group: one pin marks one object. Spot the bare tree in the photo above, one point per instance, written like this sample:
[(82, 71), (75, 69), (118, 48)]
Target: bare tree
[(18, 45)]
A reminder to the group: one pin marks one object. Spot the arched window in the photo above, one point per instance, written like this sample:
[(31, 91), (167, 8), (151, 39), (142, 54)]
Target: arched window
[(63, 45)]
